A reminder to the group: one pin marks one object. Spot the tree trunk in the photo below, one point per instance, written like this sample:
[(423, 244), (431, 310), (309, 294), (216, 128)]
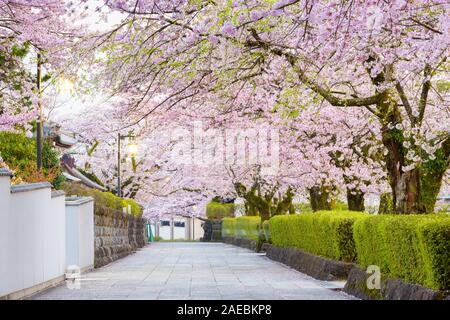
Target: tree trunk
[(414, 191), (321, 199), (250, 210), (355, 200), (283, 204), (386, 203)]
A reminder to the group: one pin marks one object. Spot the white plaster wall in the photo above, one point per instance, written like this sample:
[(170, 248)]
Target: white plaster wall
[(80, 234), (32, 236), (164, 232), (4, 237), (179, 233), (86, 228), (33, 239), (197, 229), (55, 239)]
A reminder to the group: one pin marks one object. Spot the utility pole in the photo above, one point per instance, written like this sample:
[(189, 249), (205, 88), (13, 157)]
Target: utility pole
[(39, 123)]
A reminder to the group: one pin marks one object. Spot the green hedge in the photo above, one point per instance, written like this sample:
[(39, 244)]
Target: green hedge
[(229, 227), (323, 233), (106, 199), (415, 248), (247, 227), (305, 207), (217, 210)]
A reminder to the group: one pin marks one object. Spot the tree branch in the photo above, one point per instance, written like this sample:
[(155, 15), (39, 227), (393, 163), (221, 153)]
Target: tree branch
[(324, 92), (405, 102), (424, 95)]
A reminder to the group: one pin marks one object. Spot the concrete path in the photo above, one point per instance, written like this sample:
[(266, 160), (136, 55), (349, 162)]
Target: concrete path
[(183, 270)]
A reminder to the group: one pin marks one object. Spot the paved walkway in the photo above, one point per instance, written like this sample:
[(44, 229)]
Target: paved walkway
[(194, 270)]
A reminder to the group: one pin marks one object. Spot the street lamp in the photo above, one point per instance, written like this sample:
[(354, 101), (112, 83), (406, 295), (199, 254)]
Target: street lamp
[(132, 149), (65, 86)]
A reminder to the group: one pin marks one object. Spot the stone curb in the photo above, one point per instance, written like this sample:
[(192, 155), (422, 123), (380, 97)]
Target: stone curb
[(314, 266), (391, 289), (240, 242)]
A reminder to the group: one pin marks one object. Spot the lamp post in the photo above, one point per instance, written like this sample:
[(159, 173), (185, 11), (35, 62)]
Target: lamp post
[(132, 150)]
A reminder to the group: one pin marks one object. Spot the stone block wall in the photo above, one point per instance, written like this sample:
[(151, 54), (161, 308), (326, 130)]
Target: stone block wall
[(116, 235), (213, 230)]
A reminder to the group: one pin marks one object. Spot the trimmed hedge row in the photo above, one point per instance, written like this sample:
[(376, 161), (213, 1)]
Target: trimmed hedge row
[(228, 227), (217, 210), (106, 199), (323, 233), (247, 227), (415, 248)]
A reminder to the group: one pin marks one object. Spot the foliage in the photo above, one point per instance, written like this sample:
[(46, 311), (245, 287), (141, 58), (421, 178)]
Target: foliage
[(29, 27), (247, 227), (415, 248), (217, 210), (136, 209), (323, 233), (19, 153), (29, 174), (106, 199)]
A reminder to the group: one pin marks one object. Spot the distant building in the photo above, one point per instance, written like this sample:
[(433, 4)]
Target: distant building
[(178, 227)]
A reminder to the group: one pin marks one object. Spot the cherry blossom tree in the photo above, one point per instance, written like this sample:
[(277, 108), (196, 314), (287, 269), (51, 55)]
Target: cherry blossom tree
[(30, 29), (388, 58)]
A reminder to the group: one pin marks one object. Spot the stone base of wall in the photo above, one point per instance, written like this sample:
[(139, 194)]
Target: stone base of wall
[(390, 289), (116, 235), (243, 243), (315, 266)]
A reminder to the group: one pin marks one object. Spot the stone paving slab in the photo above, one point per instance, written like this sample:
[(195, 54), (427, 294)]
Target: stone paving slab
[(195, 271)]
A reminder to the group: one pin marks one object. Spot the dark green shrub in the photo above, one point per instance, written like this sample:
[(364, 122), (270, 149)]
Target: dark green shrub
[(217, 210), (17, 150), (415, 248), (323, 233)]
